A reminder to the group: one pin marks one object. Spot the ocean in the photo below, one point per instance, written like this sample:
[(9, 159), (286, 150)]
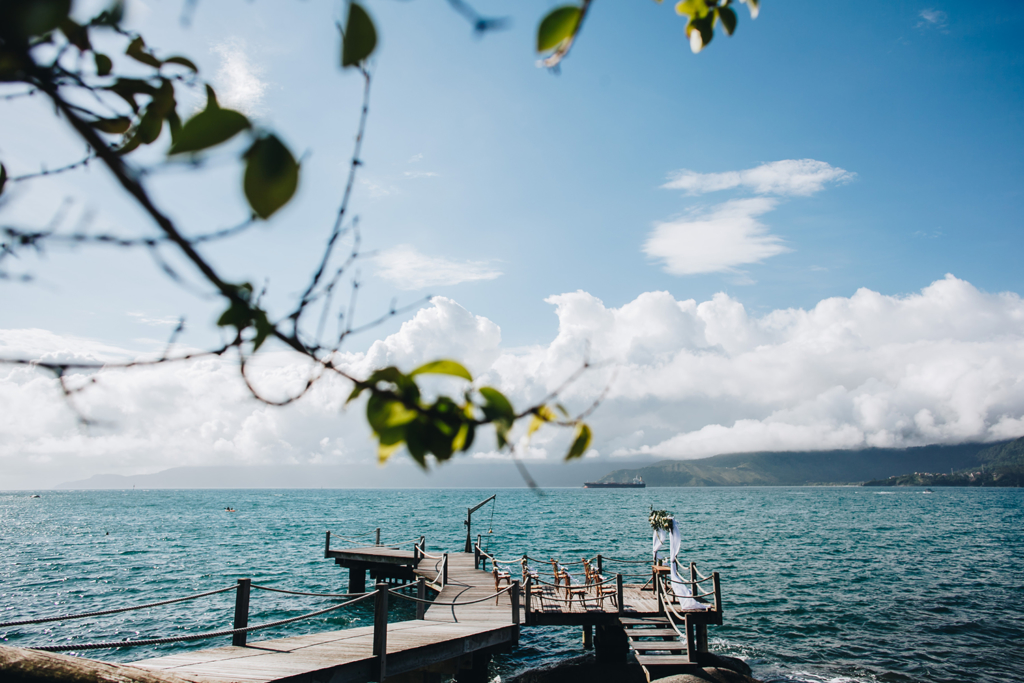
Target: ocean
[(818, 583)]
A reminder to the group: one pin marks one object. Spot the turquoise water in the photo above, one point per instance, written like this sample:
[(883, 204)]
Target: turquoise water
[(819, 584)]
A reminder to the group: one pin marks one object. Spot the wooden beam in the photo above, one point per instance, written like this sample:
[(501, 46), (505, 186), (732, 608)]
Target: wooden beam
[(20, 665)]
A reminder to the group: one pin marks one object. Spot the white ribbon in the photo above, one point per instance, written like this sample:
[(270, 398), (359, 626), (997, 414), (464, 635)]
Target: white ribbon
[(681, 590)]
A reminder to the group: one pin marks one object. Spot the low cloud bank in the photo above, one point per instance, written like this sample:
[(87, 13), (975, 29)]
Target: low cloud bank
[(682, 379)]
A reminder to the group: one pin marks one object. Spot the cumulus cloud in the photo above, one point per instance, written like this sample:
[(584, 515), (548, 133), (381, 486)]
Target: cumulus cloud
[(715, 240), (684, 379), (238, 79), (407, 268), (800, 177)]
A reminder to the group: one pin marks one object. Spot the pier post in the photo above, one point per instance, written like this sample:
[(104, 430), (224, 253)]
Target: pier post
[(356, 579), (327, 544), (483, 560), (600, 567), (610, 644), (718, 592), (377, 541), (588, 637), (529, 586), (444, 576), (514, 595), (241, 611), (700, 630), (476, 557), (618, 592), (380, 632), (421, 593)]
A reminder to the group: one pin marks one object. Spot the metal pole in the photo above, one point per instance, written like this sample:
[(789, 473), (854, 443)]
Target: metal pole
[(380, 632), (241, 612)]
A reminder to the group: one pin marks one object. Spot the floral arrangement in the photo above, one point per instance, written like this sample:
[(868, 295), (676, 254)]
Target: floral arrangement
[(660, 519)]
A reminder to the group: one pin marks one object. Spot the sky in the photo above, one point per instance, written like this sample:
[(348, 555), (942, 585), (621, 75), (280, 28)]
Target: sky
[(805, 237)]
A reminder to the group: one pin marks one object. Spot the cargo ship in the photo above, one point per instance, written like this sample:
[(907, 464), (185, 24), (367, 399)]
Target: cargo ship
[(637, 483)]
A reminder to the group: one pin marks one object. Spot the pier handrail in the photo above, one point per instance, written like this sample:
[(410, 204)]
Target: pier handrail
[(312, 595), (196, 636), (441, 567), (83, 615), (410, 598)]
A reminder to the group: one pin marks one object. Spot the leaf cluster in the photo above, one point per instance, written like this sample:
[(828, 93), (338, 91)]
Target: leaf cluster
[(399, 415)]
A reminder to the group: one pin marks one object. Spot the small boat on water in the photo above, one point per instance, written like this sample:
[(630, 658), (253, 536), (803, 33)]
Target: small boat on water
[(637, 483)]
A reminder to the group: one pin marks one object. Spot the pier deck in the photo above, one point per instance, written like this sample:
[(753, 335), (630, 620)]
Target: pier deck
[(444, 635)]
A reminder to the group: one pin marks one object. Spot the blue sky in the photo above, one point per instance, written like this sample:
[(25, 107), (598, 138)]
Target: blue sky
[(838, 146)]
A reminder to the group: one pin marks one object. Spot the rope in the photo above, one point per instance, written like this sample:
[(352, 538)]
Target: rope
[(612, 559), (426, 554), (454, 604), (197, 636), (313, 595), (83, 615)]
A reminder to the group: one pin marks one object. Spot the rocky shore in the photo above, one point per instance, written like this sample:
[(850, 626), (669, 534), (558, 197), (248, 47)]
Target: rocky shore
[(587, 669)]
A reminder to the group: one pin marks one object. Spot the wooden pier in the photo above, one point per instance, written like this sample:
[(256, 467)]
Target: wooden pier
[(469, 619)]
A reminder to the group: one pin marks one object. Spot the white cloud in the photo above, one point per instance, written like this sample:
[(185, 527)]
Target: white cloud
[(419, 174), (146, 319), (933, 18), (727, 236), (787, 177), (687, 380), (407, 268), (238, 79)]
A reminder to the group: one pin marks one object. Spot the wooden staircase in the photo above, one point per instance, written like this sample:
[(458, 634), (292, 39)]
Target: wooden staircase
[(658, 647)]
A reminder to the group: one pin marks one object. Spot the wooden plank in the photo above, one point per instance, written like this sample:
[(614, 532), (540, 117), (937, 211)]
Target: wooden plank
[(662, 660)]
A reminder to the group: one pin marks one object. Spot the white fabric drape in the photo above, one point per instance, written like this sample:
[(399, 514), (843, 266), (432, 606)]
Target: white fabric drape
[(681, 590), (659, 540)]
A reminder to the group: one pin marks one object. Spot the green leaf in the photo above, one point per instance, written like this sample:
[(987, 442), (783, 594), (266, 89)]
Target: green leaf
[(384, 412), (128, 88), (271, 176), (464, 438), (137, 51), (541, 416), (497, 406), (358, 38), (264, 328), (208, 128), (560, 24), (149, 126), (728, 18), (754, 6), (695, 9), (580, 442), (103, 64), (34, 18), (3, 178), (389, 442), (700, 32), (113, 126), (183, 61), (76, 34), (111, 16), (443, 367)]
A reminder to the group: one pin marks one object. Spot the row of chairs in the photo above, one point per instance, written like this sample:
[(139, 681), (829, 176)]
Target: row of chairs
[(593, 582)]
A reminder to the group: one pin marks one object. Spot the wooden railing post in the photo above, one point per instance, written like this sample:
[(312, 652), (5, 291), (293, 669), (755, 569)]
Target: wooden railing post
[(618, 591), (529, 600), (380, 632), (514, 594), (377, 541), (421, 593), (444, 579), (657, 589), (600, 567), (700, 630), (241, 611), (476, 557), (483, 558), (327, 544), (718, 592)]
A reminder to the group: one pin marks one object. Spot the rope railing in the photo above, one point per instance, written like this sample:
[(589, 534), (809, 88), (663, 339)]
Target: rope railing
[(410, 598), (196, 636), (312, 595), (424, 553), (100, 613), (612, 559)]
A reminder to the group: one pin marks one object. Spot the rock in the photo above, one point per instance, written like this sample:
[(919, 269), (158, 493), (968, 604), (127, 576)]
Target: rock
[(709, 674)]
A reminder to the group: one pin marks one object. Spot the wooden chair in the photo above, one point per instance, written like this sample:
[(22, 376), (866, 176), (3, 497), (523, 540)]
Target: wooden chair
[(601, 589), (500, 576)]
